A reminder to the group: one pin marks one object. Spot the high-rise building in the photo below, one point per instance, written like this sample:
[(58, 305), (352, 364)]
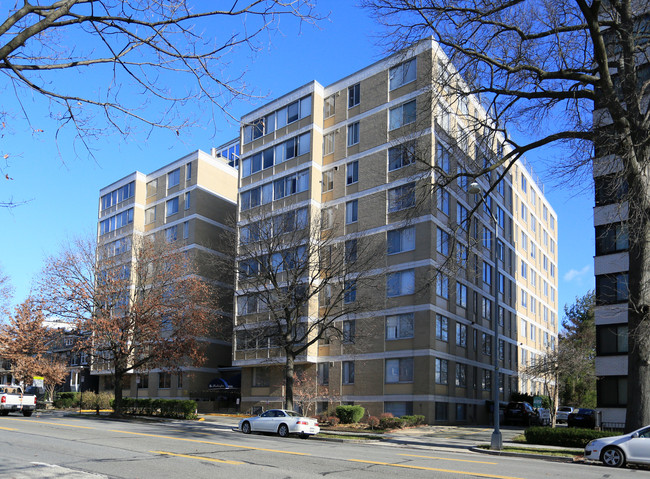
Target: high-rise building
[(374, 156), (192, 202)]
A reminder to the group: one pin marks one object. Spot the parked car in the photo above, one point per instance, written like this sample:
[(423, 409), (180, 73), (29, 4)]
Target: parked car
[(563, 414), (520, 413), (582, 418), (544, 416), (280, 421), (615, 451)]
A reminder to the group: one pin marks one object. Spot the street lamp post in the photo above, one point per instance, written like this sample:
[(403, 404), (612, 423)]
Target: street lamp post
[(496, 442)]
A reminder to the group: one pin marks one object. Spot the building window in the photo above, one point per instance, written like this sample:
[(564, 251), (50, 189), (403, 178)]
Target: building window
[(399, 370), (611, 288), (348, 330), (117, 196), (352, 173), (402, 74), (188, 171), (609, 189), (150, 215), (612, 391), (351, 212), (462, 217), (442, 368), (401, 197), (611, 339), (350, 291), (353, 134), (188, 201), (398, 408), (354, 95), (348, 372), (172, 206), (611, 238), (328, 180), (486, 309), (152, 188), (461, 295), (441, 411), (401, 155), (328, 143), (143, 382), (164, 380), (116, 222), (173, 178), (442, 328), (442, 285), (400, 283), (351, 251), (171, 233), (327, 218), (461, 375), (401, 240), (487, 273), (486, 383), (323, 374), (486, 344), (399, 326), (401, 115), (329, 106), (442, 242), (442, 158), (461, 335), (260, 377), (443, 200), (186, 229)]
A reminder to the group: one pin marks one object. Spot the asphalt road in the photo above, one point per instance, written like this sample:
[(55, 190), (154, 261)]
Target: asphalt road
[(53, 446)]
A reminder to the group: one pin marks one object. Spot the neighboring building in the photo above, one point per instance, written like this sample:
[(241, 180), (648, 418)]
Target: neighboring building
[(79, 377), (611, 264), (192, 201), (347, 153)]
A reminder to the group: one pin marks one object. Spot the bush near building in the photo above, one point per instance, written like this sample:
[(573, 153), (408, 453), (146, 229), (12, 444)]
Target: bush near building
[(350, 414), (565, 437), (171, 408)]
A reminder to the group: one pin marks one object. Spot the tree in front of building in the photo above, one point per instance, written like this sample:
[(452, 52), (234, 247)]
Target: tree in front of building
[(5, 294), (26, 341), (297, 285), (142, 309), (578, 353), (545, 68)]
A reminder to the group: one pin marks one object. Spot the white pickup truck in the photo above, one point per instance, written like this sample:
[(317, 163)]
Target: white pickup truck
[(13, 399)]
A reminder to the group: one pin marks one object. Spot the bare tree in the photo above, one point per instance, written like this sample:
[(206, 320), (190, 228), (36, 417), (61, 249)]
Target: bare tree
[(544, 67), (143, 308), (173, 52), (297, 283), (25, 341), (6, 291)]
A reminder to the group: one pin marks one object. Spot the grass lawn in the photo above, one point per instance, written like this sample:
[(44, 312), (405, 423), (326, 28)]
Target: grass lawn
[(540, 451)]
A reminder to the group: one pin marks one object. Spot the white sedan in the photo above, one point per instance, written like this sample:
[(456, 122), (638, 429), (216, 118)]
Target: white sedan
[(281, 421), (617, 450)]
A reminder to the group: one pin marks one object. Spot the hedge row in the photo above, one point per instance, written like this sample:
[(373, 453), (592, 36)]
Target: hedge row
[(387, 421), (173, 408), (565, 437)]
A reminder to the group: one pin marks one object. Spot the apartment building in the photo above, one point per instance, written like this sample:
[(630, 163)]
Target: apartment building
[(373, 158), (192, 201)]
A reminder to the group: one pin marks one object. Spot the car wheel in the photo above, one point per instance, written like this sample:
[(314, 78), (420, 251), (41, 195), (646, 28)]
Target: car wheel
[(283, 430), (27, 413), (613, 457), (246, 428), (4, 413)]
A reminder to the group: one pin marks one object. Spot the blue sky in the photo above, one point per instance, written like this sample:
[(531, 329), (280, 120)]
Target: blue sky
[(60, 181)]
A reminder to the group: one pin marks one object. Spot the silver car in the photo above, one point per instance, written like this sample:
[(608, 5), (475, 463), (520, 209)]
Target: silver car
[(562, 414), (282, 422), (617, 450)]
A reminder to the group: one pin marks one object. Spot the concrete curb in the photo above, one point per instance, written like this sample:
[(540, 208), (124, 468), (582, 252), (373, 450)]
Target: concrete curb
[(524, 455)]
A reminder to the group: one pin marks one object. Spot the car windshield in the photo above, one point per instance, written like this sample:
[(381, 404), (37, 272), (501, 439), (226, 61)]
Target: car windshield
[(565, 409), (585, 411)]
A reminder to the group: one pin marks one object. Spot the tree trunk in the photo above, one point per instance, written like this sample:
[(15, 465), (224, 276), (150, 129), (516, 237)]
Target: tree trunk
[(288, 381), (117, 406), (638, 386)]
